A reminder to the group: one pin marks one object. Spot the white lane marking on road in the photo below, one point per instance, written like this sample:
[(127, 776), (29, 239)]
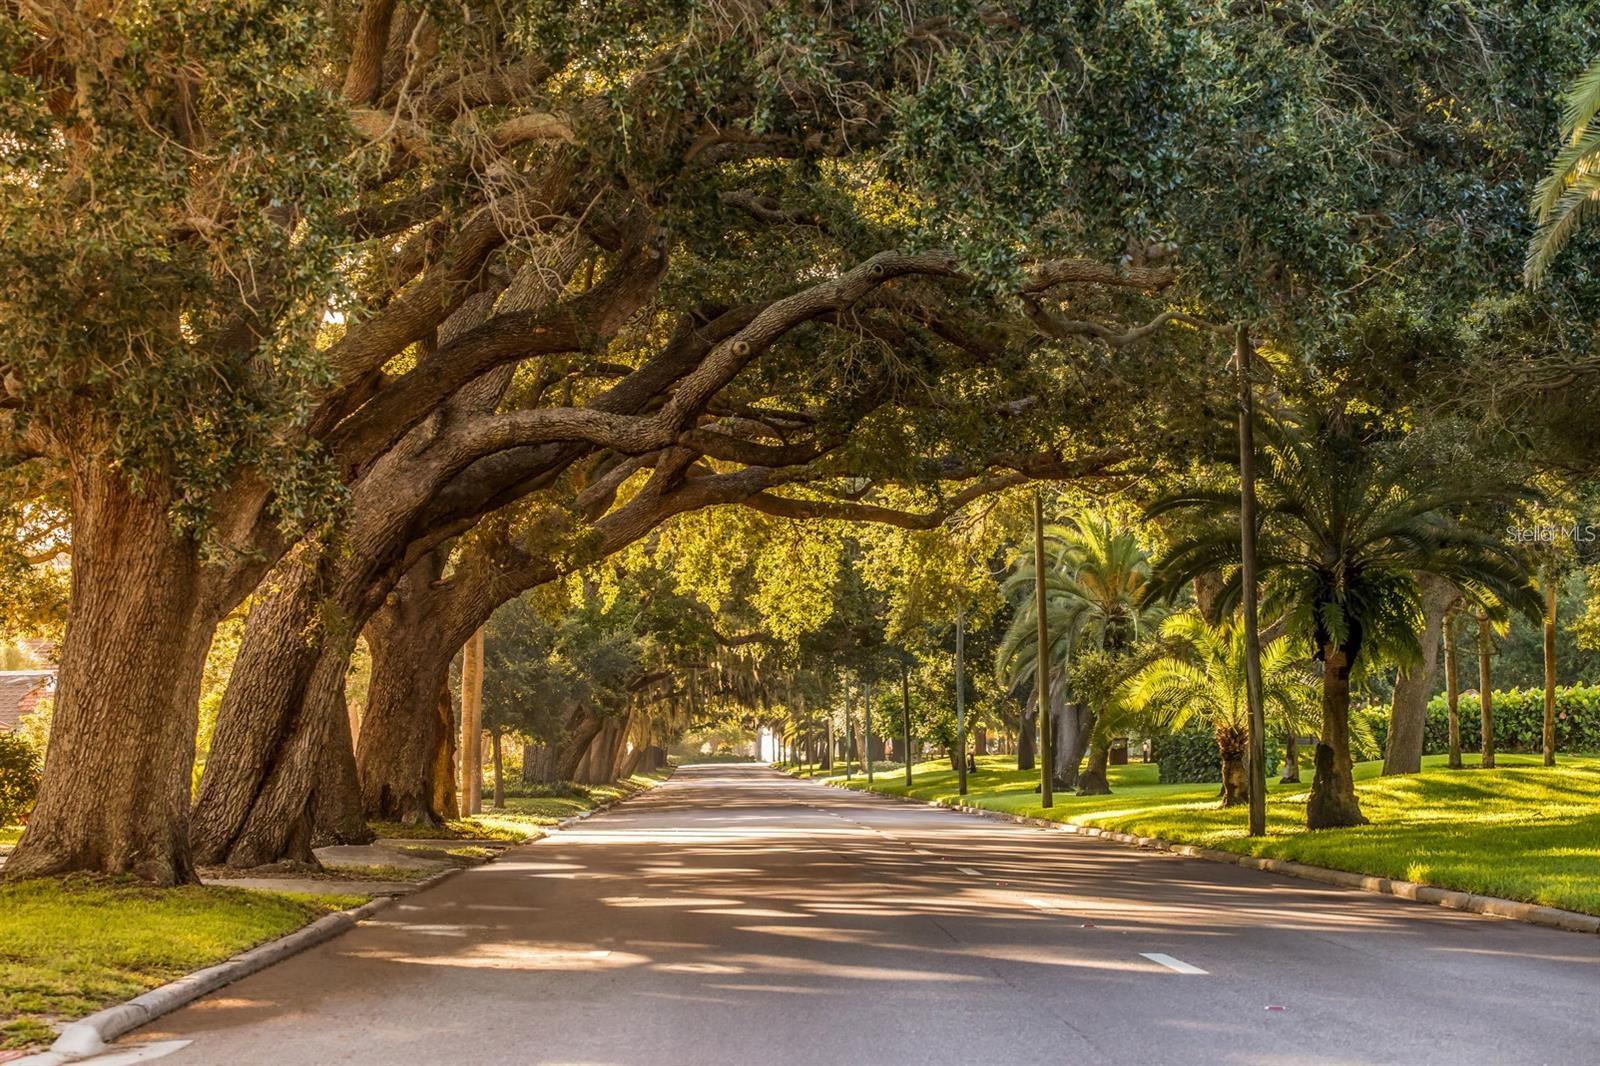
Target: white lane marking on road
[(969, 871), (1175, 965)]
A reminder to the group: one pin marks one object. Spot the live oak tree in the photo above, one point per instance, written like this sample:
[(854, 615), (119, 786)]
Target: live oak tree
[(308, 291)]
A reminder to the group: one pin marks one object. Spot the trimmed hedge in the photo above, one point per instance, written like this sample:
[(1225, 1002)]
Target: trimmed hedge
[(1519, 721), (1187, 755)]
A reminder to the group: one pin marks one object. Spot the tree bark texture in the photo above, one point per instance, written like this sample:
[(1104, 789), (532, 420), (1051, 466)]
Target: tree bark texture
[(1549, 736), (1333, 791), (116, 789), (1408, 711), (1233, 743), (1452, 692), (1486, 690), (406, 755)]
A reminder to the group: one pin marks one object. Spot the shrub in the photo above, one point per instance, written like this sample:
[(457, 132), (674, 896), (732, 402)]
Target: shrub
[(19, 777), (1519, 721), (1188, 755)]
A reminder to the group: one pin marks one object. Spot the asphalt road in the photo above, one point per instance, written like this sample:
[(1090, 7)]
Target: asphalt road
[(737, 916)]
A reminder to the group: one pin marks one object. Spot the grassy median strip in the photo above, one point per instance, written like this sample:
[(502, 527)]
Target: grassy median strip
[(1521, 831), (70, 946)]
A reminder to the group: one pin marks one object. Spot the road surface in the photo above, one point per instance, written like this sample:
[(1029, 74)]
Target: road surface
[(734, 915)]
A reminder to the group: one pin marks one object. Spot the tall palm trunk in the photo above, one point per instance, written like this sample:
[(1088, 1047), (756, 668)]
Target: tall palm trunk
[(499, 772), (1486, 691), (1452, 692), (1333, 790), (1549, 671)]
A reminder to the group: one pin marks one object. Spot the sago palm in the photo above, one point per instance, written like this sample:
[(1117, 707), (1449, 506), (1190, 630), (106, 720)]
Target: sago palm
[(1202, 675), (1348, 518), (1096, 580)]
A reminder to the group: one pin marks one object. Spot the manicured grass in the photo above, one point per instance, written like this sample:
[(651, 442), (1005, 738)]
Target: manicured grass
[(70, 946), (528, 811), (1521, 831), (10, 834)]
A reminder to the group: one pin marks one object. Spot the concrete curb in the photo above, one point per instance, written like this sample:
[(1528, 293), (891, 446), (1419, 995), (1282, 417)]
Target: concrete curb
[(90, 1035), (1532, 913)]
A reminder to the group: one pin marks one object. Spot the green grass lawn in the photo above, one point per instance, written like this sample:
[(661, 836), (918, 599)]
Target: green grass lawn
[(10, 834), (1520, 831), (529, 810), (71, 946)]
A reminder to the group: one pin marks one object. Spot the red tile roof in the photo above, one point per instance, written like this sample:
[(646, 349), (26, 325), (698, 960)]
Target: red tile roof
[(20, 690)]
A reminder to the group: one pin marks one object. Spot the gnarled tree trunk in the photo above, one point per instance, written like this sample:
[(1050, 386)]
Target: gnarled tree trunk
[(406, 756), (1333, 790), (280, 767), (115, 797), (1408, 713), (1094, 781), (303, 779)]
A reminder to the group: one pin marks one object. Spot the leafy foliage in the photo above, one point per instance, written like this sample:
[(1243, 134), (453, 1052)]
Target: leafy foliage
[(1350, 512), (20, 767)]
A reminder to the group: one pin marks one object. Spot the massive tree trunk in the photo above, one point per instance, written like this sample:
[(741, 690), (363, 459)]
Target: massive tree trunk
[(407, 747), (1333, 790), (1452, 692), (1408, 712), (281, 767), (582, 728), (115, 797), (303, 783)]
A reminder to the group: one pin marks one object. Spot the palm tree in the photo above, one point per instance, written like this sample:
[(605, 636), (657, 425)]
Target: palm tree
[(1095, 584), (1202, 675), (1349, 515), (1570, 192)]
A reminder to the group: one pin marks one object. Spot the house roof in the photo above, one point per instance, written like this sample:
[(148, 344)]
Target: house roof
[(19, 691)]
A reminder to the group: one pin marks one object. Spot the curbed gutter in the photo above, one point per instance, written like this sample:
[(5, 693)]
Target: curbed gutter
[(1454, 899), (91, 1035)]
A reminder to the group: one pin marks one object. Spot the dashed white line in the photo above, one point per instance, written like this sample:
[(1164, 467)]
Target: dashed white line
[(969, 871), (1175, 965)]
